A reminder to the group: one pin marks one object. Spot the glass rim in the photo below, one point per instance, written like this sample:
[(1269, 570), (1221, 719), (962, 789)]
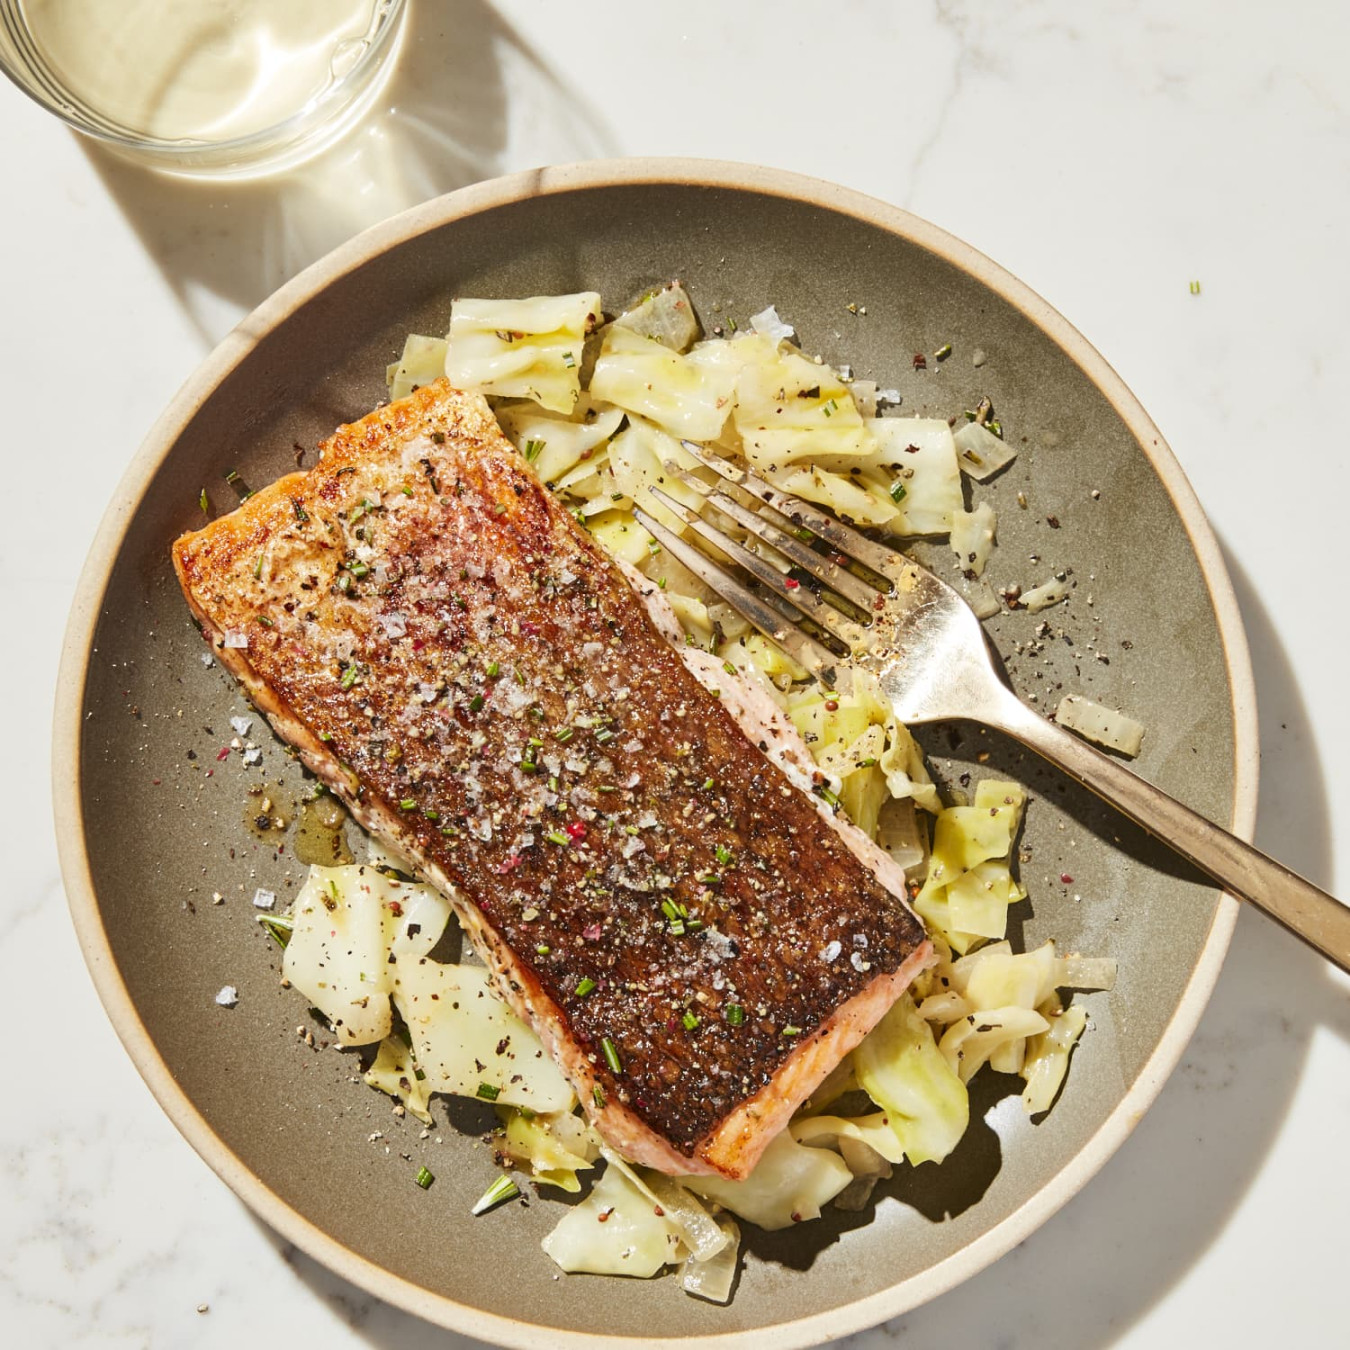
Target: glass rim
[(187, 150)]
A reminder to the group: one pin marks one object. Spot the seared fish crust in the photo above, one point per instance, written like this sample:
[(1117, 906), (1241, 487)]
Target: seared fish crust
[(451, 653)]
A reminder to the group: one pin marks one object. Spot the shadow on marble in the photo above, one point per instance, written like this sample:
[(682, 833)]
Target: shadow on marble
[(466, 83)]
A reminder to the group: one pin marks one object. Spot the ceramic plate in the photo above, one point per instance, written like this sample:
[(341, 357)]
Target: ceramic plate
[(153, 820)]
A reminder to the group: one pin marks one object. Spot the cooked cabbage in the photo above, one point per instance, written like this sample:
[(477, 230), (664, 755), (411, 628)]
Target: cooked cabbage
[(422, 362), (468, 1042), (858, 498), (697, 1228), (713, 1278), (688, 396), (980, 453), (790, 1183), (614, 1231), (637, 460), (666, 316), (1047, 1059), (352, 927), (555, 1146), (965, 838), (1043, 596), (973, 538), (920, 453), (522, 348), (968, 1044), (395, 1072), (789, 409), (900, 1067), (554, 444), (1103, 725)]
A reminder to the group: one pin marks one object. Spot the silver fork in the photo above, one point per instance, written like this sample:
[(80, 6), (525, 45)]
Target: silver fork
[(929, 653)]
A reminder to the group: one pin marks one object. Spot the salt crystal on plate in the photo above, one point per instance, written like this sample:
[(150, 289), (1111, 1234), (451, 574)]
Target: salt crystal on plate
[(228, 996), (207, 659), (241, 724), (252, 756), (264, 899)]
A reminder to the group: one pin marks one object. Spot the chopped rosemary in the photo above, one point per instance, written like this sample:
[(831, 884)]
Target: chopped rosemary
[(569, 360), (611, 1055), (349, 677), (584, 986), (690, 1021), (557, 837), (493, 669), (943, 352), (424, 1177), (488, 1092), (204, 502), (564, 735), (722, 854), (533, 449), (791, 1031), (301, 515), (358, 569), (279, 926), (735, 1014), (476, 703), (598, 1095), (728, 667), (502, 1189), (1195, 288), (898, 491), (707, 784), (406, 804), (257, 568)]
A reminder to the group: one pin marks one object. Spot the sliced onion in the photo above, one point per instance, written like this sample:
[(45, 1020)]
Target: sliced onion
[(712, 1279), (1103, 725), (980, 453), (699, 1230)]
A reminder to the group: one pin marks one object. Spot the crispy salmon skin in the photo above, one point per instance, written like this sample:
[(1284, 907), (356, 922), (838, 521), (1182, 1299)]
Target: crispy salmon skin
[(452, 654)]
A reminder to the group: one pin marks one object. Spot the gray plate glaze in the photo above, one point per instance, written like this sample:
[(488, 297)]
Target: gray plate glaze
[(152, 823)]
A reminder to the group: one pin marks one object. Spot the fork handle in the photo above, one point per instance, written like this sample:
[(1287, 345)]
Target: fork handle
[(1306, 910)]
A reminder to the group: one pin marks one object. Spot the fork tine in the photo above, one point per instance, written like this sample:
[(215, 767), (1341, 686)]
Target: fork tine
[(829, 573), (853, 635), (880, 559), (803, 648)]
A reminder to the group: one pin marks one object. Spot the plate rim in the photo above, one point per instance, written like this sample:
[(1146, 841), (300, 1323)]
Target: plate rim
[(153, 452)]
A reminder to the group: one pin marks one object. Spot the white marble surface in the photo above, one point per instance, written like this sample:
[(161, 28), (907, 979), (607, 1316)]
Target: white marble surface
[(1107, 153)]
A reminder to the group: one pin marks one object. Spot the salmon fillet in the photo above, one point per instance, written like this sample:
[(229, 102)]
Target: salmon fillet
[(696, 937)]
